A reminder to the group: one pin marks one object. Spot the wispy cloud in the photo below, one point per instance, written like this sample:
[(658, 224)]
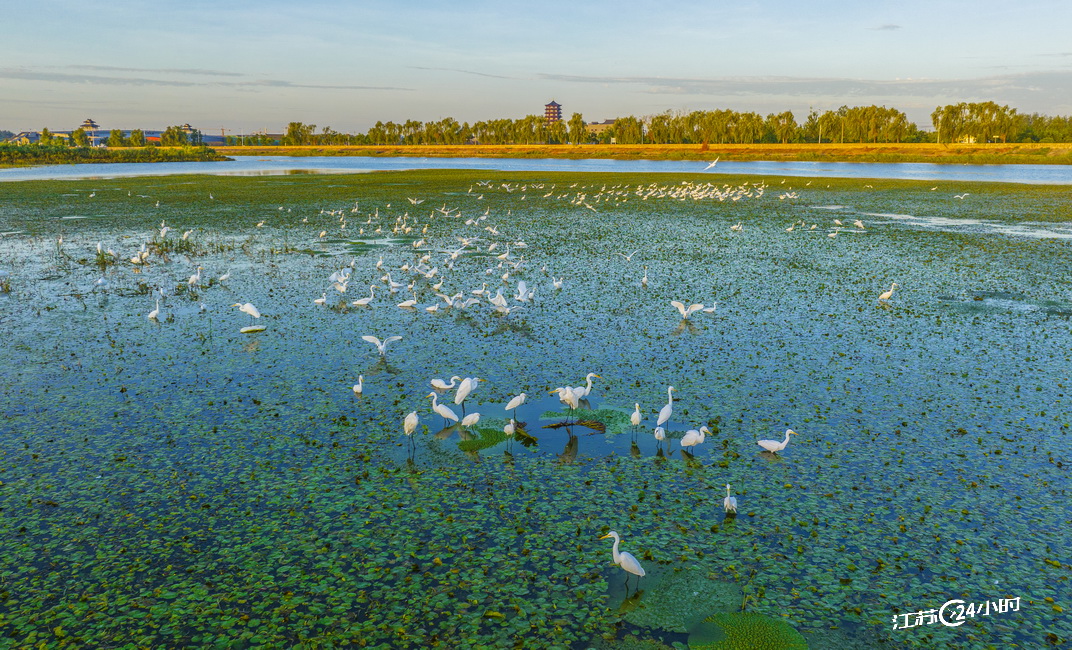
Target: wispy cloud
[(27, 74), (185, 71), (478, 74), (888, 27)]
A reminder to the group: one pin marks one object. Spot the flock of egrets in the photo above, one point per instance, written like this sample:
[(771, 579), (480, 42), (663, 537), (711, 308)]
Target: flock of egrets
[(426, 273)]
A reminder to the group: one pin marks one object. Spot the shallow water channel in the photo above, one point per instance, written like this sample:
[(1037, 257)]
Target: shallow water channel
[(173, 481)]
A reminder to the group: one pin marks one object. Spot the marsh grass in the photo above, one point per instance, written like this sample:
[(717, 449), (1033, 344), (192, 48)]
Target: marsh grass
[(177, 483)]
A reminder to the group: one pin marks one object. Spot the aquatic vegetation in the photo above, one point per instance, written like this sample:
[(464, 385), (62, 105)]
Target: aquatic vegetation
[(179, 483)]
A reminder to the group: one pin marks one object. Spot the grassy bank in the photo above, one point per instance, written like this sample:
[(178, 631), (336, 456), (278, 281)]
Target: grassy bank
[(28, 155), (1019, 153)]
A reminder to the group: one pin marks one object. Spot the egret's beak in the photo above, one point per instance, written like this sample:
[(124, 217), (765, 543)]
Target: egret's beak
[(791, 432), (604, 537)]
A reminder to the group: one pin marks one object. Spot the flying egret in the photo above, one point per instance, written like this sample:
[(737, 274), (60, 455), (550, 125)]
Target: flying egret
[(886, 295), (729, 503), (625, 559), (774, 446), (686, 311), (694, 437), (359, 387), (439, 384), (381, 345), (442, 409), (666, 411), (712, 163)]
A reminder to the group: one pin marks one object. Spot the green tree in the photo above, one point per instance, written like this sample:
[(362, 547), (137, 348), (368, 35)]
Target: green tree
[(116, 139), (46, 137), (299, 134), (79, 138), (578, 132), (137, 138), (174, 136)]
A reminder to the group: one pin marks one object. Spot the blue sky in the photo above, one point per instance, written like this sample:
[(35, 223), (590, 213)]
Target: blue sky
[(245, 66)]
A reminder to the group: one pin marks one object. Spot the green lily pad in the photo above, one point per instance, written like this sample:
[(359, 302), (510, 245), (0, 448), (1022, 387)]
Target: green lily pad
[(676, 601), (740, 630)]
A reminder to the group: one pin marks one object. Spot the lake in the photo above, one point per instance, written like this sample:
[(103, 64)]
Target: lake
[(272, 165), (174, 481)]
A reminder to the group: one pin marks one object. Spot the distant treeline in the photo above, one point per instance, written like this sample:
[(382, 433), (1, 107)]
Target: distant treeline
[(55, 154), (964, 122)]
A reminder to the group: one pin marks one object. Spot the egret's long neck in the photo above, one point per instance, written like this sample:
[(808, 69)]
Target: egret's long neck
[(786, 441), (617, 555)]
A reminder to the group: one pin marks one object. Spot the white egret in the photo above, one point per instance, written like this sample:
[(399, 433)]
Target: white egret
[(886, 295), (644, 280), (322, 299), (730, 502), (439, 384), (567, 396), (694, 437), (248, 308), (660, 435), (625, 559), (470, 420), (515, 402), (361, 302), (774, 446), (381, 346), (359, 387), (686, 311), (557, 283), (464, 388), (410, 423), (584, 391), (666, 411), (442, 409), (156, 312)]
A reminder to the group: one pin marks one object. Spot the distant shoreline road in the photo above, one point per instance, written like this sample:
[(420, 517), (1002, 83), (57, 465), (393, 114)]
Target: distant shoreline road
[(999, 154)]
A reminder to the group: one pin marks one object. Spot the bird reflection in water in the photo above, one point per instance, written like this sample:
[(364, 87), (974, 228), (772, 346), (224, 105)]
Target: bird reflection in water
[(569, 454), (685, 326)]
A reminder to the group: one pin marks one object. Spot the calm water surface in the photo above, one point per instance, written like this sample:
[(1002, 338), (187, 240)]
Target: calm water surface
[(275, 165)]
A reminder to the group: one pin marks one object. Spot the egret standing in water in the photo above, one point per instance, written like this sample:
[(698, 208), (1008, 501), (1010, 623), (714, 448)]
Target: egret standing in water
[(248, 308), (730, 502), (514, 403), (666, 411), (886, 295), (694, 437), (625, 560), (464, 388), (442, 409), (359, 387), (409, 425), (773, 446), (635, 417)]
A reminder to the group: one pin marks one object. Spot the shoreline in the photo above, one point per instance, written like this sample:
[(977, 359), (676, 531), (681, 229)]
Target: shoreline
[(978, 154)]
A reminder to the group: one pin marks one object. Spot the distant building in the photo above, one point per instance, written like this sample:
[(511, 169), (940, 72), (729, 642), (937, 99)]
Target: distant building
[(552, 112), (98, 137), (598, 128)]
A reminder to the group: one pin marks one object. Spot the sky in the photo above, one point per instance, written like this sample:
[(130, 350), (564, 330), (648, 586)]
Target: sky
[(242, 66)]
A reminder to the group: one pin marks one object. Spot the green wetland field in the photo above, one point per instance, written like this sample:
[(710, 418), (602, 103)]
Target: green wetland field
[(175, 482)]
